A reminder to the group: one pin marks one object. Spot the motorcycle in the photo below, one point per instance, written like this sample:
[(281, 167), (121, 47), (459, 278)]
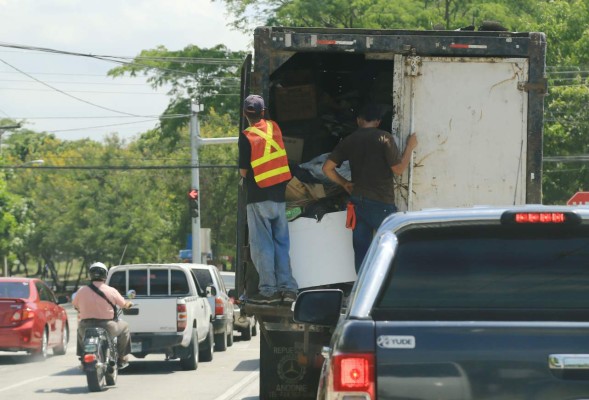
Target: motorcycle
[(99, 358)]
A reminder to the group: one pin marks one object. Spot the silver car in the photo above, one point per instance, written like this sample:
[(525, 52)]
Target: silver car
[(243, 323)]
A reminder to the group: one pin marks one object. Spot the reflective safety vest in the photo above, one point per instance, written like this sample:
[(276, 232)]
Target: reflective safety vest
[(268, 160)]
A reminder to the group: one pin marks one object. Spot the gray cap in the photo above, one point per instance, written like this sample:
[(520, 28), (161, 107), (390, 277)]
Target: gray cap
[(254, 104)]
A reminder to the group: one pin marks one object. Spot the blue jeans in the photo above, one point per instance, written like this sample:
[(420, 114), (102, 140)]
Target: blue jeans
[(369, 216), (269, 246)]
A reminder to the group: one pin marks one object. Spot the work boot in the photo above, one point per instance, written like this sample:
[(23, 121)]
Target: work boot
[(266, 300), (289, 297)]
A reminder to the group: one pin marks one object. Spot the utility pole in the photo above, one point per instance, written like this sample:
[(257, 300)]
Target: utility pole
[(195, 142), (3, 130), (194, 139)]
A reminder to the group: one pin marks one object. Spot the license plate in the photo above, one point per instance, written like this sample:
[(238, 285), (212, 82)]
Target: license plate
[(135, 347)]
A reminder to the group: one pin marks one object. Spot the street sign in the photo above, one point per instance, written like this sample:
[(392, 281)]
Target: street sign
[(579, 199)]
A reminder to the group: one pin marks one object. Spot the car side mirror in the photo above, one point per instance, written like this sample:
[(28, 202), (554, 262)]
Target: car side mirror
[(211, 290), (63, 299), (318, 307)]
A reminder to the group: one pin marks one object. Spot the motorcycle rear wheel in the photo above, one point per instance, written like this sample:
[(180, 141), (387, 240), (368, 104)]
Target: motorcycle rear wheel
[(95, 380)]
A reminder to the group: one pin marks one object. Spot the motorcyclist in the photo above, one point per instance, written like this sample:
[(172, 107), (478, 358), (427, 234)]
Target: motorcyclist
[(97, 311)]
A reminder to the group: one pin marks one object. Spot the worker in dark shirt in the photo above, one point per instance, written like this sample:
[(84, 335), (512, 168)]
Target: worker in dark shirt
[(263, 166), (374, 160)]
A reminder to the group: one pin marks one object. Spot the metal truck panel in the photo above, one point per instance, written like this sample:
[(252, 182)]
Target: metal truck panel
[(470, 116), (164, 308)]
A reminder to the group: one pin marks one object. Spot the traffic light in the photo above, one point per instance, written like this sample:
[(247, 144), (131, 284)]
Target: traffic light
[(193, 202)]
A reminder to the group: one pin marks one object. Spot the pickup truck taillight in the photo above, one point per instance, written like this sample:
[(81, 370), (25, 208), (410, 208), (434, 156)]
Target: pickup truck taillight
[(181, 318), (219, 307), (352, 376)]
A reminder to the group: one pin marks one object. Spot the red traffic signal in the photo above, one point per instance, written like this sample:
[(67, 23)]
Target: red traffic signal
[(193, 194)]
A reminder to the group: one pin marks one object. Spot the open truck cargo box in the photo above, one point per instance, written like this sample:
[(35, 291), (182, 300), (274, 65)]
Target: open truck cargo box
[(475, 100)]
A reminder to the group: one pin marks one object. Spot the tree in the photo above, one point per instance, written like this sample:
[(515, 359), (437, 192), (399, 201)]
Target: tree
[(219, 185), (383, 14), (209, 75)]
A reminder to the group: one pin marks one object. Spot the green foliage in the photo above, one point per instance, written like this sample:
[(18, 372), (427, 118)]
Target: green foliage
[(382, 14), (209, 76), (218, 190)]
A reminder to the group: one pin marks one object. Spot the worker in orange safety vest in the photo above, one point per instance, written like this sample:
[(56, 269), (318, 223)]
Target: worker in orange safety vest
[(263, 166)]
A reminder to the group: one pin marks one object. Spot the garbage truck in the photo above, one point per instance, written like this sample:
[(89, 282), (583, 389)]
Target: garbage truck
[(473, 97)]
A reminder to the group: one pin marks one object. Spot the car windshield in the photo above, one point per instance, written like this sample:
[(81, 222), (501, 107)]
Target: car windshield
[(14, 290), (228, 279), (489, 268)]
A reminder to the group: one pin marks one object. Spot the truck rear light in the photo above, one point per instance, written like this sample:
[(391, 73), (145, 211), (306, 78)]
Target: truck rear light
[(353, 375), (540, 218), (182, 317), (219, 306)]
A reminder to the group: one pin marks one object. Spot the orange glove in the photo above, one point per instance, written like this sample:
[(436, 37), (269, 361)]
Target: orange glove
[(350, 216)]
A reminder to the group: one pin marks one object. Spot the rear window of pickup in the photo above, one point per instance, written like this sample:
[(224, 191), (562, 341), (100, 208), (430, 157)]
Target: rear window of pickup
[(488, 272), (151, 282)]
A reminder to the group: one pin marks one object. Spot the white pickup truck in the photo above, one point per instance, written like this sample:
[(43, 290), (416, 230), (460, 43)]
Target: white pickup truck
[(174, 315)]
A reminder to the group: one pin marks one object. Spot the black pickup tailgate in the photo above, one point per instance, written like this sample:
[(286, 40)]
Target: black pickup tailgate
[(485, 312), (450, 360)]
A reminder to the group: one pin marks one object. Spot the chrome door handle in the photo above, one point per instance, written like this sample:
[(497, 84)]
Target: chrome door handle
[(568, 361)]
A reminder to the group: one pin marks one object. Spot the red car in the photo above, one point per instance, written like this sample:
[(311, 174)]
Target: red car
[(31, 318)]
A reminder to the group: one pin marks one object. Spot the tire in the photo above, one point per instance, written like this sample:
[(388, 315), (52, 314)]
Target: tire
[(246, 334), (95, 381), (95, 378), (190, 362), (207, 348), (65, 337), (112, 372), (255, 329), (40, 354), (221, 341), (230, 337)]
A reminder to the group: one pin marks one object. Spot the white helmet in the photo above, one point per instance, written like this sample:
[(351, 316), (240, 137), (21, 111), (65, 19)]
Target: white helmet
[(98, 271)]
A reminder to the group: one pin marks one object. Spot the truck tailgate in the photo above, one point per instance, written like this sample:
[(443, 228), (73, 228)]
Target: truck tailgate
[(156, 315), (478, 360)]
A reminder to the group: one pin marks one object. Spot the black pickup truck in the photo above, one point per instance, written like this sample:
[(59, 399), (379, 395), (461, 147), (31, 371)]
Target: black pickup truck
[(480, 303)]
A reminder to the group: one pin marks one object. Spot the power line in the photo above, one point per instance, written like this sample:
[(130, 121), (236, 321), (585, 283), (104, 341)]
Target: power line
[(116, 167), (67, 94), (83, 91)]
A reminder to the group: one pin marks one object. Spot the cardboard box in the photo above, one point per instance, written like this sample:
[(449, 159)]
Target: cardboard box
[(295, 102), (294, 148)]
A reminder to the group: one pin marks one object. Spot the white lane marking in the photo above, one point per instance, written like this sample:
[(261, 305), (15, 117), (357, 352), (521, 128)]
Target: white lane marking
[(23, 383), (238, 386)]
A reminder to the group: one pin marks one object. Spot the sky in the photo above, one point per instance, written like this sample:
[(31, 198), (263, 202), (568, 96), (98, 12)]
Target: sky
[(40, 87)]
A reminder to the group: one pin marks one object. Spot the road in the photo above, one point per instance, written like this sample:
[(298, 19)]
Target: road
[(232, 375)]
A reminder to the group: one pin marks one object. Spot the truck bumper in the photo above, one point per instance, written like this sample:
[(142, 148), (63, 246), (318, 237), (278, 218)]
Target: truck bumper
[(220, 325), (149, 343)]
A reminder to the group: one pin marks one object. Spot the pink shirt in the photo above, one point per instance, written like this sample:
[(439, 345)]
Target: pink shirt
[(91, 305)]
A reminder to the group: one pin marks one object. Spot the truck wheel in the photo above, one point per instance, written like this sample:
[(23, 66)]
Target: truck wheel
[(221, 341), (246, 334), (206, 350), (190, 362), (230, 337)]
